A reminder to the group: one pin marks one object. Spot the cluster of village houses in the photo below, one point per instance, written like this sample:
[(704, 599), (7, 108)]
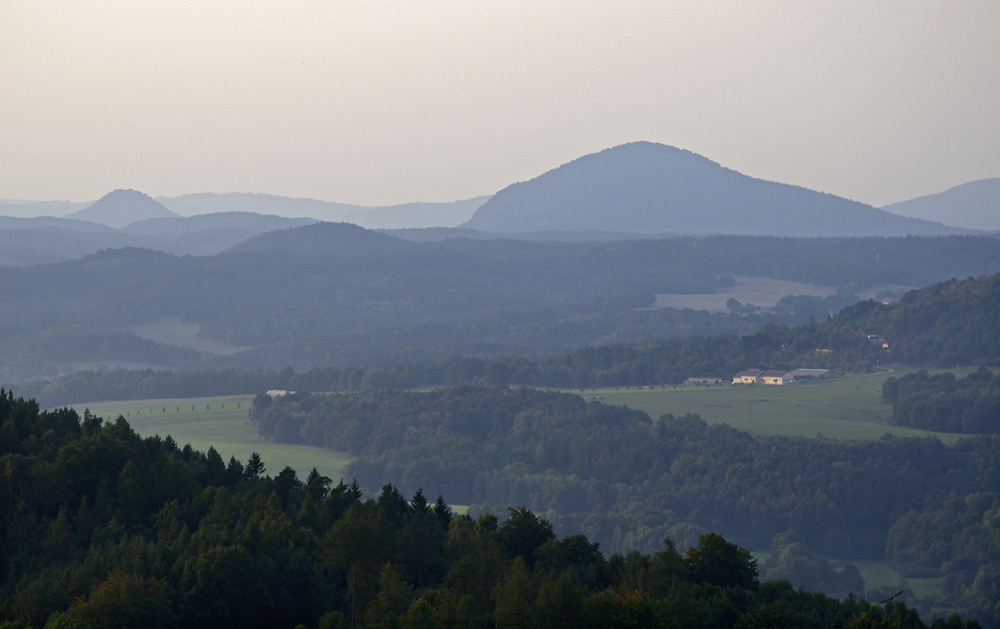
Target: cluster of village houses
[(767, 376)]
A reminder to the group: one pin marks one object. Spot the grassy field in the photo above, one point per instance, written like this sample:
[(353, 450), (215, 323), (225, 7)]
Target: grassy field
[(220, 422), (850, 407), (760, 291), (877, 574), (171, 330)]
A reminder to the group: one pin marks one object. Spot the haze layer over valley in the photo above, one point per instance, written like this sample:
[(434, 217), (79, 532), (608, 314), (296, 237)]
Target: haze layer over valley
[(527, 314)]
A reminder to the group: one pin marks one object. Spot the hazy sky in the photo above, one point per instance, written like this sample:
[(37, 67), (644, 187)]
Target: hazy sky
[(378, 102)]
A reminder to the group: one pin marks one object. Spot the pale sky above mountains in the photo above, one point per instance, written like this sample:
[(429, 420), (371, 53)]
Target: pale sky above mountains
[(383, 102)]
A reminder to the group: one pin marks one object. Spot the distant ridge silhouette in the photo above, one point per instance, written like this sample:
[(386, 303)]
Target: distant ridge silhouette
[(122, 207), (652, 188), (975, 205), (324, 239)]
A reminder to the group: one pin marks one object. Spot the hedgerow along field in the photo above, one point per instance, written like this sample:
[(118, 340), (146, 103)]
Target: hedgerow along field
[(848, 407), (221, 422)]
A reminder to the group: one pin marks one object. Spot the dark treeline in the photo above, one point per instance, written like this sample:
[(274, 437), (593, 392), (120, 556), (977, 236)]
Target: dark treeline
[(627, 481), (945, 403), (101, 528), (486, 298), (131, 384), (532, 334), (259, 297), (945, 324)]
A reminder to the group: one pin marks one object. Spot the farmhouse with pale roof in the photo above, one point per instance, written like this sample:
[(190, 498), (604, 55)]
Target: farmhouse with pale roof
[(810, 374), (775, 377), (706, 380), (747, 377), (761, 376)]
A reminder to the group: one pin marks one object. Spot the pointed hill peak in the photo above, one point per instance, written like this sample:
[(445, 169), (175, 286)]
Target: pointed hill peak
[(120, 208)]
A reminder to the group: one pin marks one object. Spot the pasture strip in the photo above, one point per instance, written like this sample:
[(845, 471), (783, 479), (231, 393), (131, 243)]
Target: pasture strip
[(221, 422)]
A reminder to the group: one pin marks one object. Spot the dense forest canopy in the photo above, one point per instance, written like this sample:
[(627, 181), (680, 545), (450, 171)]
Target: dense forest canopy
[(628, 481), (944, 403), (333, 304), (101, 528), (945, 324)]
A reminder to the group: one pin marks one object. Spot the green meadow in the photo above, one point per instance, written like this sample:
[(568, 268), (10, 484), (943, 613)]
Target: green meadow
[(171, 330), (220, 422), (848, 407)]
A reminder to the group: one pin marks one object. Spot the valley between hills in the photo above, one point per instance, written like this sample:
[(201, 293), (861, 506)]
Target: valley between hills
[(261, 391)]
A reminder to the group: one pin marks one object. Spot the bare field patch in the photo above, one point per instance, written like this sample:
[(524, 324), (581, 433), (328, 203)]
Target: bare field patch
[(759, 291)]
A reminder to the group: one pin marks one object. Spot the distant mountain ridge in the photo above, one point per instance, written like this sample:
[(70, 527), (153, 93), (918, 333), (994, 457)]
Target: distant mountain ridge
[(128, 218), (32, 209), (418, 215), (414, 215), (13, 223), (244, 221), (26, 241), (120, 208), (653, 188), (213, 203), (975, 205), (402, 216)]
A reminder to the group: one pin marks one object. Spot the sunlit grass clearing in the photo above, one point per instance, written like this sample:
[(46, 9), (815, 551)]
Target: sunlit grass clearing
[(221, 422), (850, 407)]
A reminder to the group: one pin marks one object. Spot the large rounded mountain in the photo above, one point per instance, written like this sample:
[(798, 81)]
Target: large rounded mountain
[(652, 188)]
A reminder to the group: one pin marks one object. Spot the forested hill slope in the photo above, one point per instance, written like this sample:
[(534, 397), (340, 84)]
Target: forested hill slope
[(629, 481), (102, 528), (956, 322), (652, 188), (345, 305), (945, 324), (324, 239)]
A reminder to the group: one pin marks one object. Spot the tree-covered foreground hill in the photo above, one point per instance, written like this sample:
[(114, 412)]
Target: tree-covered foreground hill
[(100, 528), (628, 481)]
